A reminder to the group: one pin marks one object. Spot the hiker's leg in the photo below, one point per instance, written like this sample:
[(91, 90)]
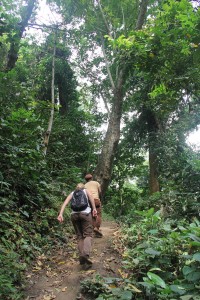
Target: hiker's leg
[(87, 228), (97, 221), (77, 223)]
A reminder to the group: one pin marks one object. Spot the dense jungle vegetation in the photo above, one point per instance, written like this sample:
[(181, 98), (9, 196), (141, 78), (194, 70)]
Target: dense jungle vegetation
[(110, 87)]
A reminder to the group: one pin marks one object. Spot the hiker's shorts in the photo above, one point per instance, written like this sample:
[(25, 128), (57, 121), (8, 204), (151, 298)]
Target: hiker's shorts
[(82, 223)]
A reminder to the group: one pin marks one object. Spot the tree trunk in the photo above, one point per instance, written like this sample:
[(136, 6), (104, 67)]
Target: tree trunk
[(142, 14), (15, 42), (48, 132), (62, 98), (153, 129), (153, 172), (105, 165)]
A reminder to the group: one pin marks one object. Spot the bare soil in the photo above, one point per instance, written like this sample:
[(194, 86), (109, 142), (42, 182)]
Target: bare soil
[(58, 276)]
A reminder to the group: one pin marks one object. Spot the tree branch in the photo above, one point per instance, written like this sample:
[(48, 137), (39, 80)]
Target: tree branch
[(107, 64), (105, 103), (104, 18), (142, 14)]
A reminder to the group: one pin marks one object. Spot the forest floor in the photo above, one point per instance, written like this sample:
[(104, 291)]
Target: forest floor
[(58, 276)]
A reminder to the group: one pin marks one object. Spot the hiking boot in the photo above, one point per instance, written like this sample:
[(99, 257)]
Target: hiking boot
[(85, 260), (82, 260), (97, 232)]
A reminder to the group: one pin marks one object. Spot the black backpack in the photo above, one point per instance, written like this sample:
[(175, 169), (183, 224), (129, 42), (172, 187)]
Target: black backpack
[(79, 200)]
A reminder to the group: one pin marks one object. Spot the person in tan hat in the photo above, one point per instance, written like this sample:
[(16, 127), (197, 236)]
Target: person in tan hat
[(95, 189)]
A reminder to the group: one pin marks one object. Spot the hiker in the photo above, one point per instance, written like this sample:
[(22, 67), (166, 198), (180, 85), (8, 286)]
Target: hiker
[(95, 189), (81, 218)]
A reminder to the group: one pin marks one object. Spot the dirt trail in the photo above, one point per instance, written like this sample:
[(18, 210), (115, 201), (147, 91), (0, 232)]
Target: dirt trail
[(58, 276)]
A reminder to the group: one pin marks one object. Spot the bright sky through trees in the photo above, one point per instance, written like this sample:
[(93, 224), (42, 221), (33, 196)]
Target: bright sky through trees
[(194, 138)]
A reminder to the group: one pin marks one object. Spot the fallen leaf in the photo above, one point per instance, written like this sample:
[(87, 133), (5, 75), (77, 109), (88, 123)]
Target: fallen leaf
[(131, 286), (49, 297), (90, 271), (61, 262), (39, 263), (110, 259), (74, 255), (123, 275), (112, 286)]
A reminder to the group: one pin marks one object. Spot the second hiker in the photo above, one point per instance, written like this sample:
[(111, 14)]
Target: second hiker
[(95, 189)]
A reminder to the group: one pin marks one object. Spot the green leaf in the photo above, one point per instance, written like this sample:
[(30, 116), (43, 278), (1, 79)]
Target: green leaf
[(182, 229), (194, 237), (135, 261), (196, 244), (126, 295), (155, 269), (153, 231), (150, 212), (156, 279), (167, 227), (152, 252), (178, 289), (196, 257), (25, 213), (187, 270), (116, 291), (186, 297), (195, 276)]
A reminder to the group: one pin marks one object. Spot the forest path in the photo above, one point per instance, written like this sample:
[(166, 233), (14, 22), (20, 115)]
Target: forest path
[(58, 276)]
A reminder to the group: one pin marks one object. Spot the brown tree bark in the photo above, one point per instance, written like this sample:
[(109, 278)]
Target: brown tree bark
[(153, 129), (15, 42), (104, 167), (154, 185), (142, 14)]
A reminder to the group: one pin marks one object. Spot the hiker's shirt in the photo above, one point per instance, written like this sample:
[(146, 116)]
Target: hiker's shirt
[(85, 211), (93, 187)]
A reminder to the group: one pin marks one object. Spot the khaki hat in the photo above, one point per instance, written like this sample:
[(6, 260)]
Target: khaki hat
[(88, 176)]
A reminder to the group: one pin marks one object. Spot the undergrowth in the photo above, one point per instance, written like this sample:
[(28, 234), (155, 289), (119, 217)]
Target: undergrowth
[(161, 260), (22, 240)]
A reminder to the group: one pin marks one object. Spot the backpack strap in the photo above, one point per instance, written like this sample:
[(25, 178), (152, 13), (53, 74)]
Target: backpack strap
[(89, 203), (84, 190)]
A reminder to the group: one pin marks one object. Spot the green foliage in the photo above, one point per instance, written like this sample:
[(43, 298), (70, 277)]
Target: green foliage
[(119, 202), (66, 158), (93, 287), (100, 288), (159, 85), (163, 255), (11, 274), (32, 186), (161, 261)]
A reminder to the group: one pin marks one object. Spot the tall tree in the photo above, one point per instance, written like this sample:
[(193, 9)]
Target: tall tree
[(163, 88), (102, 21), (50, 123)]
